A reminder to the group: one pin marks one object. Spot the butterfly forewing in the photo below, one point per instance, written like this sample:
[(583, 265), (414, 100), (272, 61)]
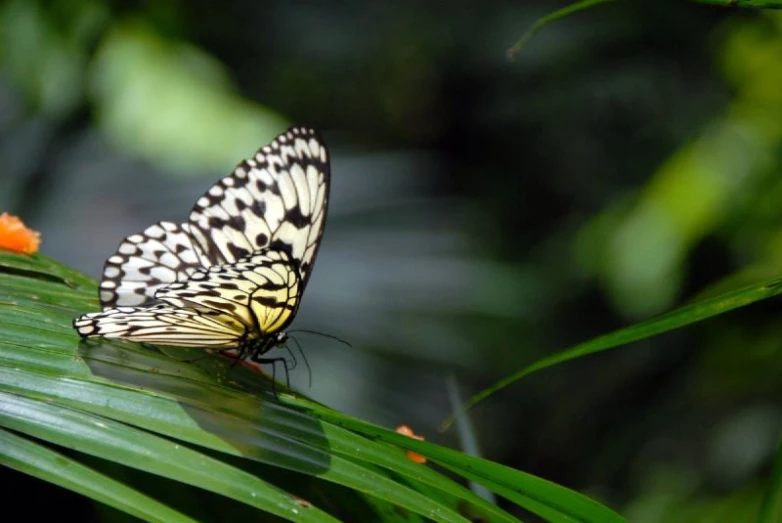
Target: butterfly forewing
[(162, 254), (277, 199)]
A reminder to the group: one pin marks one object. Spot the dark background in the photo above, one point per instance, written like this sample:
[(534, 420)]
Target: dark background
[(485, 212)]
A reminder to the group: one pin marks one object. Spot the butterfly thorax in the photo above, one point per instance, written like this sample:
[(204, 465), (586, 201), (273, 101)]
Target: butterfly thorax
[(254, 349)]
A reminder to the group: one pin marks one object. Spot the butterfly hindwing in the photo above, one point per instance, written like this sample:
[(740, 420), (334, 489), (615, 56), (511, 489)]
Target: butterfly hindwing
[(162, 254), (164, 325), (277, 199), (261, 290)]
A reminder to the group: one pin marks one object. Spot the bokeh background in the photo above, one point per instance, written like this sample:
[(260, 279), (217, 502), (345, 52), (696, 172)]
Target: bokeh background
[(485, 212)]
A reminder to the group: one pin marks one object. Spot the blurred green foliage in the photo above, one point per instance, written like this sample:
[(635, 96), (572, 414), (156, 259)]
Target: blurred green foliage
[(718, 174)]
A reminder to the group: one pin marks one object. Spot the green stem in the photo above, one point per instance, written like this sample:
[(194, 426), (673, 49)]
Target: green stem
[(584, 4), (545, 20)]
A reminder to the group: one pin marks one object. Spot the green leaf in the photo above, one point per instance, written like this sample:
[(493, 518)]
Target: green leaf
[(667, 322), (580, 5), (131, 447), (542, 497), (36, 460), (205, 423)]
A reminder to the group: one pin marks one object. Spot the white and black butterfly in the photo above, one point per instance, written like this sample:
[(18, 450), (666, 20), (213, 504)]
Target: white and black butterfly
[(232, 277)]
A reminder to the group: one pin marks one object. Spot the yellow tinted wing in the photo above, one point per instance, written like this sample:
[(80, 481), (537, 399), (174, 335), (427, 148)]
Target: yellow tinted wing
[(262, 291)]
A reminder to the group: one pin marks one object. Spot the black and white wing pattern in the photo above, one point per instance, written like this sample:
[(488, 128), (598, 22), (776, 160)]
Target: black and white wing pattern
[(277, 200), (235, 272), (164, 325), (160, 255), (261, 290)]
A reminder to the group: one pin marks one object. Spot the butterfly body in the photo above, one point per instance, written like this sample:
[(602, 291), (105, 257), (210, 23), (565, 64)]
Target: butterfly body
[(232, 277)]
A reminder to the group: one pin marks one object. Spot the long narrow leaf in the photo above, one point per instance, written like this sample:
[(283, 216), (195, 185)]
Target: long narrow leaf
[(209, 405), (36, 460), (267, 440), (667, 322), (110, 440), (555, 499)]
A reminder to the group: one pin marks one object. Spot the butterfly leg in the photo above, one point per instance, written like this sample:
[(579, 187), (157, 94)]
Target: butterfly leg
[(293, 360), (273, 362)]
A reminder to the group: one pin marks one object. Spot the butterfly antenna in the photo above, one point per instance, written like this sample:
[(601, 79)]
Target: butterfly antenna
[(304, 357), (324, 335)]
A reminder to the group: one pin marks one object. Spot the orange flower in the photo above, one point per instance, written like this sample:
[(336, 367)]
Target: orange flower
[(407, 431), (14, 236)]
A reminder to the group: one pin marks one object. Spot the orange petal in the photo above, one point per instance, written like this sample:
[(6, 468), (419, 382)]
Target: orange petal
[(407, 431), (14, 236), (404, 430), (414, 456)]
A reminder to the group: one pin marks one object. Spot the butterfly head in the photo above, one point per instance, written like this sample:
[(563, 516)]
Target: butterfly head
[(280, 338)]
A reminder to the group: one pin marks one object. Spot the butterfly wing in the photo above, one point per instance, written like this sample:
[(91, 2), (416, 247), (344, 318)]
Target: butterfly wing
[(162, 254), (164, 325), (237, 269), (262, 291), (275, 200)]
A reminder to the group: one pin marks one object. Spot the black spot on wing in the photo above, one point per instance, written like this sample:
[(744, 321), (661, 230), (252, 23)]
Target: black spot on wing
[(294, 216), (238, 223), (259, 208), (237, 252), (261, 239), (271, 286), (268, 302), (279, 245), (220, 305), (274, 304), (263, 187), (240, 205)]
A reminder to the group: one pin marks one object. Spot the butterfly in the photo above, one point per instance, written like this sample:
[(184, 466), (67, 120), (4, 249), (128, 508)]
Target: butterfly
[(231, 278)]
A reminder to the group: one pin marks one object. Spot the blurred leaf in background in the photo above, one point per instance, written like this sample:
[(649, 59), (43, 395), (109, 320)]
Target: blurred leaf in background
[(191, 118)]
